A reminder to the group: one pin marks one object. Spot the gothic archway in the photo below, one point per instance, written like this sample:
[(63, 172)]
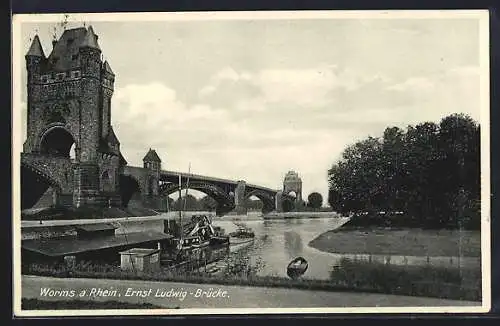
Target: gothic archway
[(57, 141)]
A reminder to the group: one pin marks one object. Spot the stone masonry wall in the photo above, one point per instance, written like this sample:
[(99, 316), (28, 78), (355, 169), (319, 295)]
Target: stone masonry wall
[(57, 168)]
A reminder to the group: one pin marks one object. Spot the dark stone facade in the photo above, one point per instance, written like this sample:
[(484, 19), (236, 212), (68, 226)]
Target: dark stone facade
[(69, 106)]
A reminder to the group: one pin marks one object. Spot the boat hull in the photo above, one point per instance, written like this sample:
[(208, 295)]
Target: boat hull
[(297, 267)]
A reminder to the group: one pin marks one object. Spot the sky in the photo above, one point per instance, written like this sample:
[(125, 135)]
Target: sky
[(254, 98)]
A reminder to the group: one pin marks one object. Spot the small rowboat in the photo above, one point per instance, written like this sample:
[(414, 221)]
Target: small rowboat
[(297, 267)]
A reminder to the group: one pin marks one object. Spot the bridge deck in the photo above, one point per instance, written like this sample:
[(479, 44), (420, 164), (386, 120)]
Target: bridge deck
[(213, 179)]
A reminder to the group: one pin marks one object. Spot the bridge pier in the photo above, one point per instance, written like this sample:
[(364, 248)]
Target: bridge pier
[(86, 186), (55, 197), (279, 202), (153, 202), (239, 198)]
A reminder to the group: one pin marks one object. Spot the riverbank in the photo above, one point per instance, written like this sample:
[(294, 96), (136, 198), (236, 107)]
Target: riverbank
[(421, 261), (401, 242), (348, 276)]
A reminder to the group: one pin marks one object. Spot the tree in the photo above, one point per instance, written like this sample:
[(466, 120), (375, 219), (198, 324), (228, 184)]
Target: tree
[(188, 203), (207, 203), (430, 171), (169, 204), (287, 205), (253, 204), (300, 205), (315, 200), (334, 200)]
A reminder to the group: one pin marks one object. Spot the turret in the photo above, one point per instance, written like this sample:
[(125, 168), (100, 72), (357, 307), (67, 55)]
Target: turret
[(90, 54), (90, 93), (34, 57), (152, 160)]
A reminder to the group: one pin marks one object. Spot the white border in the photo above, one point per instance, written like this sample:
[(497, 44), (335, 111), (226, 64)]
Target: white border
[(481, 15)]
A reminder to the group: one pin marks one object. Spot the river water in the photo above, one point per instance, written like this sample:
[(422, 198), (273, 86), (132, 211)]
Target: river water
[(277, 242)]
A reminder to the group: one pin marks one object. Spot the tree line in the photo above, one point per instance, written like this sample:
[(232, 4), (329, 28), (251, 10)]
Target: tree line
[(313, 203), (206, 203), (191, 203), (427, 175)]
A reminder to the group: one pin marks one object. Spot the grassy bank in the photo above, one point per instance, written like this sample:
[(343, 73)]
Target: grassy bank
[(35, 304), (349, 276), (432, 281), (405, 220), (403, 242), (73, 213)]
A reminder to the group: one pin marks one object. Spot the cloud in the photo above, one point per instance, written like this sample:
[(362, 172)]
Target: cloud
[(256, 91), (150, 115), (218, 141), (419, 84)]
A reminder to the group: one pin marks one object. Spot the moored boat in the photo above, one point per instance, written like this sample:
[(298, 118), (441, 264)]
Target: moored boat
[(297, 267), (195, 239), (242, 237), (242, 232)]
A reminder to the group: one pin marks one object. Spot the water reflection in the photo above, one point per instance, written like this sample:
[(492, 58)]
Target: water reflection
[(279, 241), (293, 244)]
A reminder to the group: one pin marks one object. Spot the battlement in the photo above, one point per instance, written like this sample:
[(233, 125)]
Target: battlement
[(57, 77)]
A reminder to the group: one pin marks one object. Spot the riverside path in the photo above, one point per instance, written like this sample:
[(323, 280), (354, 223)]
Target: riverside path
[(187, 295)]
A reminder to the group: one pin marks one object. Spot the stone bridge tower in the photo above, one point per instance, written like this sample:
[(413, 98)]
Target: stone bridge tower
[(293, 182), (151, 179), (152, 164), (69, 106)]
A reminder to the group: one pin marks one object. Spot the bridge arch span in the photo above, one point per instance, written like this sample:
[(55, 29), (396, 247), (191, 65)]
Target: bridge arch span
[(34, 183), (266, 198), (224, 200), (129, 186)]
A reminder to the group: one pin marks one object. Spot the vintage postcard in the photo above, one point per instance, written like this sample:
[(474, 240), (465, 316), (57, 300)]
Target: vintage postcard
[(251, 163)]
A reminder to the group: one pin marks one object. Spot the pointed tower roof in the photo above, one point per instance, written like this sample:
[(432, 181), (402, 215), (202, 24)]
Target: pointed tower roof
[(64, 55), (151, 156), (36, 49), (90, 40), (108, 68)]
